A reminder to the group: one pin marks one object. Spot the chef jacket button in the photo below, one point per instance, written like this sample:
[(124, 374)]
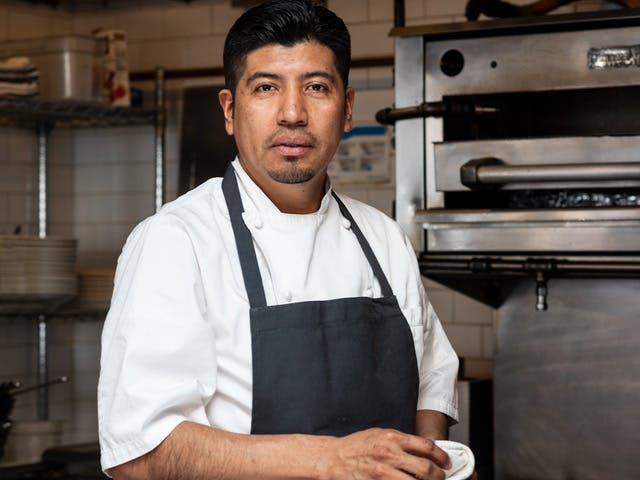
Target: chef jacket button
[(346, 223), (368, 292), (288, 295), (258, 223)]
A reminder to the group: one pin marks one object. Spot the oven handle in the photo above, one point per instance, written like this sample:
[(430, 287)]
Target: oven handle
[(491, 171)]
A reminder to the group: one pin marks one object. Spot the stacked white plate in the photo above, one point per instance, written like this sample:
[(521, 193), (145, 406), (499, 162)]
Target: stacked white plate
[(36, 274), (95, 287)]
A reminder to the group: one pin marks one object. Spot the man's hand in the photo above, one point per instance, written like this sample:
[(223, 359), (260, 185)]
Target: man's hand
[(387, 454)]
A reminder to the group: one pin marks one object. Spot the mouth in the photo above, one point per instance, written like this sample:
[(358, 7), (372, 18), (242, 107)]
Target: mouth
[(292, 147)]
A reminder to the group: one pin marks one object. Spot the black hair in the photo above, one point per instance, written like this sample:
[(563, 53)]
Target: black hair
[(285, 22)]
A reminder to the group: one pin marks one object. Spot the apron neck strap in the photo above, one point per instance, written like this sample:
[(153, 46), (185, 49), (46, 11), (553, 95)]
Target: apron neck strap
[(244, 241), (366, 248), (246, 251)]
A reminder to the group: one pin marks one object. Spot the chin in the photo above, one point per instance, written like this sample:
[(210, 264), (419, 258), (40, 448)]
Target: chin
[(293, 175)]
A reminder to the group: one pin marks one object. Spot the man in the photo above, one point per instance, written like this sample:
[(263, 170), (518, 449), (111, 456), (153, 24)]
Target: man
[(261, 326)]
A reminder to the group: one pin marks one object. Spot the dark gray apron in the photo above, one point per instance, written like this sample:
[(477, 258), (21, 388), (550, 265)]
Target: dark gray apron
[(329, 367)]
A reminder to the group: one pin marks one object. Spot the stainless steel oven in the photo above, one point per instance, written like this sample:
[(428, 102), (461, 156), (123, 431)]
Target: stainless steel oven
[(518, 181)]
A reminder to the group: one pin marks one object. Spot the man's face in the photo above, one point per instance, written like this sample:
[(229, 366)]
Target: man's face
[(289, 112)]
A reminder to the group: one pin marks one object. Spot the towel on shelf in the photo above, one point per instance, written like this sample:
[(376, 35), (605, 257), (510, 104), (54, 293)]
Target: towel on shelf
[(19, 77), (27, 89), (462, 460)]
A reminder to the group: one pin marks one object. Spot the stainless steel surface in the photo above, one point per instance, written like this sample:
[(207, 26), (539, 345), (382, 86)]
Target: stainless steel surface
[(583, 152), (564, 280), (410, 138), (42, 180), (597, 174), (42, 366), (160, 140), (526, 62), (43, 369), (567, 382), (532, 230)]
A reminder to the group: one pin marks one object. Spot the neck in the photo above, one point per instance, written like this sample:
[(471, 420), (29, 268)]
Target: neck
[(299, 198)]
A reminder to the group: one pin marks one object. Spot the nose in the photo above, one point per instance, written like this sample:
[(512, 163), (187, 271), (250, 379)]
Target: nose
[(293, 111)]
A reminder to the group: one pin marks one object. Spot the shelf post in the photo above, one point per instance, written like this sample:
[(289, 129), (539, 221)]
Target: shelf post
[(42, 368), (160, 131)]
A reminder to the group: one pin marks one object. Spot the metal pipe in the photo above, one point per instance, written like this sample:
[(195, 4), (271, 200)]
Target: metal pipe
[(481, 173), (42, 365), (43, 369), (159, 139), (42, 180), (398, 14)]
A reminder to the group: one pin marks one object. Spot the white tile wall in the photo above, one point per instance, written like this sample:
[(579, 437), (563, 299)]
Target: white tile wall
[(101, 181)]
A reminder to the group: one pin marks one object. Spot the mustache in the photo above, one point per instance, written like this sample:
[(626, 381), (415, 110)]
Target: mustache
[(290, 136)]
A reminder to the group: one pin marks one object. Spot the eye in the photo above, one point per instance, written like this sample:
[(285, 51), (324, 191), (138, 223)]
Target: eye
[(317, 87), (264, 88)]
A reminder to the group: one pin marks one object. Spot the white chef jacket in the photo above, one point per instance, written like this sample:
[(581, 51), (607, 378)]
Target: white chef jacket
[(176, 343)]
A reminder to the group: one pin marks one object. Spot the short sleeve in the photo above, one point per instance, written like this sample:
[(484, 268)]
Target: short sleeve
[(158, 361)]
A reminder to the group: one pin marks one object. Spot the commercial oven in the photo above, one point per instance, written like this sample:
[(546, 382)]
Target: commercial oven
[(518, 181)]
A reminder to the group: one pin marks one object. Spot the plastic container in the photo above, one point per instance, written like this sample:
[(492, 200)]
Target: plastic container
[(65, 64)]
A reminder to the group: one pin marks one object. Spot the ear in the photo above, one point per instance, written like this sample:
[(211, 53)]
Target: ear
[(225, 97), (348, 110)]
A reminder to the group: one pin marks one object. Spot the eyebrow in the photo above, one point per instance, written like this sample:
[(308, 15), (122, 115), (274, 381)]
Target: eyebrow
[(305, 76)]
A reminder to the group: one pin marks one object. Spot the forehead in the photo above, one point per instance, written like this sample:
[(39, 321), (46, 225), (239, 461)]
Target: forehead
[(298, 58)]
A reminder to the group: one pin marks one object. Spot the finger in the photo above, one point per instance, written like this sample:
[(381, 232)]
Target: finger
[(425, 447)]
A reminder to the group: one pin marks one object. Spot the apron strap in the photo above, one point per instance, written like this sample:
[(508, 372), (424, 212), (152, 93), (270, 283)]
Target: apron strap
[(244, 241), (247, 253), (366, 248)]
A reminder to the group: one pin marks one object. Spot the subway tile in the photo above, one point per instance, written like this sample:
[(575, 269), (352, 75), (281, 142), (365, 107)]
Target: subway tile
[(61, 179), (26, 24), (442, 301), (18, 332), (86, 23), (354, 11), (371, 39), (100, 244), (17, 179), (133, 57), (164, 53), (444, 7), (64, 230), (61, 144), (141, 24), (223, 16), (204, 52), (470, 311), (353, 192), (62, 23), (17, 362), (414, 10), (382, 199), (488, 342), (187, 21), (430, 285), (21, 210), (381, 78), (4, 206), (61, 208), (85, 385), (359, 79), (112, 207), (119, 178), (88, 331), (380, 10), (4, 24), (368, 102), (465, 339)]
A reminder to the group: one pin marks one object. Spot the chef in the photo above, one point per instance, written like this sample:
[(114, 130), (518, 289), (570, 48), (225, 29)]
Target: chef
[(263, 326)]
